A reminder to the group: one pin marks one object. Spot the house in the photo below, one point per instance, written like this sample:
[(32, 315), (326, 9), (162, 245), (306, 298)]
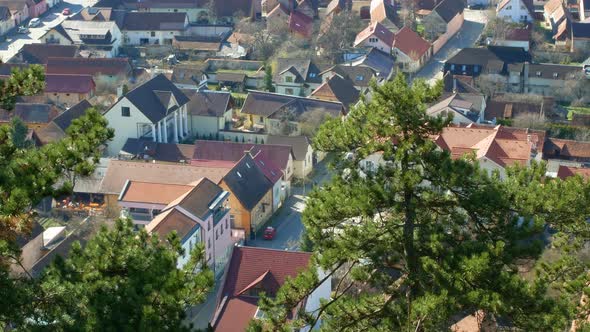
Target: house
[(155, 110), (209, 112), (149, 28), (275, 162), (38, 54), (337, 89), (101, 38), (443, 22), (99, 14), (148, 150), (300, 25), (380, 62), (19, 10), (63, 89), (253, 271), (303, 154), (296, 77), (277, 20), (458, 83), (565, 172), (37, 7), (227, 154), (410, 50), (203, 208), (466, 108), (6, 20), (515, 37), (548, 79), (120, 171), (251, 195), (195, 10), (384, 13), (104, 71), (517, 11), (496, 60), (188, 76), (233, 81), (558, 18), (275, 113), (360, 76), (35, 116), (197, 46), (563, 149), (498, 109), (580, 36), (584, 10), (57, 128), (494, 148), (376, 36)]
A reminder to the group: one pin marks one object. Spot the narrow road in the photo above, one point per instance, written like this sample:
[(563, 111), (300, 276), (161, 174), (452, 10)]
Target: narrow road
[(475, 21)]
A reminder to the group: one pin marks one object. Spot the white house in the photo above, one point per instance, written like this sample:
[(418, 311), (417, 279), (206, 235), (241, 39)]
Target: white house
[(376, 35), (517, 11), (209, 112), (6, 20), (104, 37), (466, 108), (142, 28), (155, 110), (199, 215)]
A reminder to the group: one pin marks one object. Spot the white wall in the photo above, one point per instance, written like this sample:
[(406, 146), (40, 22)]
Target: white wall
[(125, 127), (191, 242), (377, 43), (134, 37), (515, 11), (313, 300)]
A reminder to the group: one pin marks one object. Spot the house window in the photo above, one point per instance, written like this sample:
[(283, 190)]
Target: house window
[(176, 10), (359, 77), (464, 68), (216, 234), (221, 229), (209, 243), (538, 74), (125, 111), (153, 34), (232, 219), (508, 7), (190, 246), (209, 227), (452, 67), (263, 208), (289, 79), (522, 8), (476, 69), (289, 91), (312, 75)]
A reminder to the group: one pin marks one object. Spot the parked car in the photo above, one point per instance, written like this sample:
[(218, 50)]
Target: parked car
[(22, 29), (66, 11), (34, 22), (269, 233)]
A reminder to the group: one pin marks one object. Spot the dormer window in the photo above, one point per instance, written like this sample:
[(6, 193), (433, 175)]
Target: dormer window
[(312, 75), (359, 77)]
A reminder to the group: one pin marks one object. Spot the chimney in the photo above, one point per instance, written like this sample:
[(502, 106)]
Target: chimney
[(119, 92)]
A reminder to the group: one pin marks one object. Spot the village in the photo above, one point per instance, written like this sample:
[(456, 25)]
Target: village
[(214, 107)]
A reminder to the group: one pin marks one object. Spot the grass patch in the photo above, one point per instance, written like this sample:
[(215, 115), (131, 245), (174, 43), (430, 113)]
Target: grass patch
[(580, 110), (49, 222)]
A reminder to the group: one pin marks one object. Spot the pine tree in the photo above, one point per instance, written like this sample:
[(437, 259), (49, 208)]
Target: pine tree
[(19, 133), (427, 236), (22, 82), (268, 78)]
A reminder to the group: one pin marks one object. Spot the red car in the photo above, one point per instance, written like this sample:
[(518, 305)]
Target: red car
[(66, 11), (269, 233)]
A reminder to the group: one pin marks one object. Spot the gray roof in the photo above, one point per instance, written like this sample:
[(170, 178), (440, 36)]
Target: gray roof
[(64, 120), (148, 97), (183, 74), (304, 70), (553, 71), (198, 200), (381, 62), (299, 144), (271, 104), (4, 13), (208, 103), (581, 30), (471, 101), (448, 9), (247, 182), (39, 53), (359, 75), (140, 21), (29, 113), (140, 148)]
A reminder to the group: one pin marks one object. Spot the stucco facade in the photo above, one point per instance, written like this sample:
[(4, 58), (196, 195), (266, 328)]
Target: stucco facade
[(209, 126), (248, 220), (515, 11), (162, 37), (70, 99), (302, 168)]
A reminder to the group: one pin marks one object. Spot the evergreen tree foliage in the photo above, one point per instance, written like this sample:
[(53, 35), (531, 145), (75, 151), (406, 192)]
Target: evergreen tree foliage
[(268, 78), (427, 237), (22, 82), (19, 133)]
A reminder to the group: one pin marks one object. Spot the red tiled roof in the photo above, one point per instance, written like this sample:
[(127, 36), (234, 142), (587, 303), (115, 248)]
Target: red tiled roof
[(505, 146), (301, 24), (563, 148), (378, 30), (410, 43), (89, 66), (69, 83), (566, 171), (248, 268)]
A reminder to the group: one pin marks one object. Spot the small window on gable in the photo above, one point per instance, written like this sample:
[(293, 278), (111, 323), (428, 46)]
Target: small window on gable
[(359, 77), (153, 33), (125, 111)]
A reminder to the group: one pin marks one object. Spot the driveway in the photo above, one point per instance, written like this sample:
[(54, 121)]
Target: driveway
[(475, 21), (287, 220), (15, 41)]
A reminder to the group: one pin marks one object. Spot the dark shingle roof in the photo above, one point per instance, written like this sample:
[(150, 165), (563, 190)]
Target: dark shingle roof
[(553, 71), (269, 104), (213, 152), (197, 201), (360, 75), (342, 89), (305, 70), (170, 152), (492, 56), (448, 9), (39, 53), (140, 21), (247, 182), (148, 97), (379, 61), (299, 144), (64, 120), (69, 83), (90, 66), (4, 13), (208, 103), (581, 30), (231, 77), (29, 113)]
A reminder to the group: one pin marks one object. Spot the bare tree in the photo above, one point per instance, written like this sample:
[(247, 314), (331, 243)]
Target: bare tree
[(309, 122), (338, 33), (576, 90), (529, 120), (489, 85)]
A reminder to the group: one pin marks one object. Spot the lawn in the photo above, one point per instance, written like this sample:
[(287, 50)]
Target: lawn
[(580, 110)]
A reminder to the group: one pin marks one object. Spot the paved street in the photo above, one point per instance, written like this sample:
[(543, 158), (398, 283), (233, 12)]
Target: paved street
[(287, 220), (15, 41), (473, 25)]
